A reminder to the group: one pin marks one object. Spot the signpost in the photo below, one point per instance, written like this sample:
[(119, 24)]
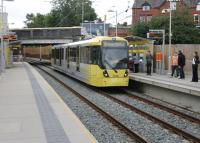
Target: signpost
[(159, 34)]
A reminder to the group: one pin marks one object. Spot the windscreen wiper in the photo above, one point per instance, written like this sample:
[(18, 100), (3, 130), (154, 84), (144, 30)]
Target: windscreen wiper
[(110, 66)]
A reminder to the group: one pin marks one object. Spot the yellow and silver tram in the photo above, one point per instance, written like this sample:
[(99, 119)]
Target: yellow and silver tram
[(100, 62)]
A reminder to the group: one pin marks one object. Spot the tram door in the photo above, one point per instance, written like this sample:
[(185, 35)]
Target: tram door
[(54, 56), (61, 56), (78, 58), (67, 57), (57, 56)]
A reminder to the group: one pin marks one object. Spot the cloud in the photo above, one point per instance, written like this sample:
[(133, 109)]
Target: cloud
[(18, 9)]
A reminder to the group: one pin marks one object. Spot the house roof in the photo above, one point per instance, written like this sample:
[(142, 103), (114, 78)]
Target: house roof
[(153, 3), (192, 3), (157, 3), (146, 4)]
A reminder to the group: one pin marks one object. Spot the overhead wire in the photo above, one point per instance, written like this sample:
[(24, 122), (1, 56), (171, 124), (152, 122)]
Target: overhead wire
[(121, 12), (125, 18)]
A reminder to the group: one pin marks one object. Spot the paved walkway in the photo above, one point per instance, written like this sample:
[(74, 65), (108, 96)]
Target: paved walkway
[(165, 81), (32, 112), (167, 78)]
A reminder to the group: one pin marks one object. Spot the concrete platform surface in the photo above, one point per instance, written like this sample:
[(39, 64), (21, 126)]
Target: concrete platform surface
[(32, 112), (165, 81)]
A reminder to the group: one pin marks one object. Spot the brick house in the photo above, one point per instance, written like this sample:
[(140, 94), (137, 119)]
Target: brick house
[(121, 31), (144, 10)]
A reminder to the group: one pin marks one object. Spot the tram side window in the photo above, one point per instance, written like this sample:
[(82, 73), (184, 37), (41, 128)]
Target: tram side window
[(52, 53), (61, 53), (57, 53), (94, 55), (66, 54), (60, 56), (85, 55), (73, 54)]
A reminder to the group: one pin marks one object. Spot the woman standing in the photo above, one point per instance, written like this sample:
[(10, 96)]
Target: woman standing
[(195, 63), (175, 64)]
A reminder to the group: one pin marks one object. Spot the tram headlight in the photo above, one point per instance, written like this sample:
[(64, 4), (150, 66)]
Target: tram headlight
[(105, 73), (126, 73)]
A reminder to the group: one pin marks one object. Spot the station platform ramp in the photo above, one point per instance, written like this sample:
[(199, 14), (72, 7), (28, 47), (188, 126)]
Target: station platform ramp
[(178, 91), (32, 112)]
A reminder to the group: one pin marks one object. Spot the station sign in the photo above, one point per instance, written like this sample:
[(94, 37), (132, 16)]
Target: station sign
[(10, 37), (173, 4), (155, 34)]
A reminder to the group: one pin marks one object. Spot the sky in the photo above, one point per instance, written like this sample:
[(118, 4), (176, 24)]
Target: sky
[(18, 9)]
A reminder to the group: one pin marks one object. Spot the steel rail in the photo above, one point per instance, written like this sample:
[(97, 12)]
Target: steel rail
[(160, 106), (117, 123), (166, 125)]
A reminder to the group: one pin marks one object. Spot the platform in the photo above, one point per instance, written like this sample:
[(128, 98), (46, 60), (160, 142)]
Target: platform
[(32, 112), (165, 81), (181, 92)]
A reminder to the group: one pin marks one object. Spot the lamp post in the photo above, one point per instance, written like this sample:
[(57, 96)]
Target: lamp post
[(172, 6), (116, 34), (2, 65), (83, 11), (170, 38), (82, 16), (104, 26), (170, 33)]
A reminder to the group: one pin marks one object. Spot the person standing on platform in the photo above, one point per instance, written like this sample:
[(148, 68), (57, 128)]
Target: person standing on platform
[(20, 58), (181, 64), (136, 63), (149, 60), (174, 64), (195, 62)]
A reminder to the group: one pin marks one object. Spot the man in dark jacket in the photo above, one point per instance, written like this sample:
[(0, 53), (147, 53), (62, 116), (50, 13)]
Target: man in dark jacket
[(195, 62), (181, 64), (149, 59)]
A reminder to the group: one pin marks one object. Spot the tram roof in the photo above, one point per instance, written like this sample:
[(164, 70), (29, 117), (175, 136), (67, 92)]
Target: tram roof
[(93, 41)]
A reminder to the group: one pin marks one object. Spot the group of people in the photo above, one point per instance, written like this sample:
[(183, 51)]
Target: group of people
[(178, 63)]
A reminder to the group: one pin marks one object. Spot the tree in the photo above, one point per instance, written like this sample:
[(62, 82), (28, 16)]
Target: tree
[(64, 13), (37, 20), (29, 19), (140, 30), (184, 31), (125, 24), (183, 27)]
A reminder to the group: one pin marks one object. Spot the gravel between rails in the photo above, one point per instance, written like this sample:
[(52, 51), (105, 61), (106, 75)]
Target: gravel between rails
[(175, 120), (152, 132), (189, 112), (101, 129)]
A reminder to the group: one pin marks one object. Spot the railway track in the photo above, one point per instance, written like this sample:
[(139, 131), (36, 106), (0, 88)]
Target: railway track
[(129, 132), (109, 117), (166, 125), (162, 107), (184, 110)]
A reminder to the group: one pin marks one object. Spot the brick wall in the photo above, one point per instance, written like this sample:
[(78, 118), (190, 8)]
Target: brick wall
[(121, 32)]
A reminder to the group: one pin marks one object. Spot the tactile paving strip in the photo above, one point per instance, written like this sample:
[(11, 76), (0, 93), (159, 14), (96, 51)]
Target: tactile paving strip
[(53, 130)]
